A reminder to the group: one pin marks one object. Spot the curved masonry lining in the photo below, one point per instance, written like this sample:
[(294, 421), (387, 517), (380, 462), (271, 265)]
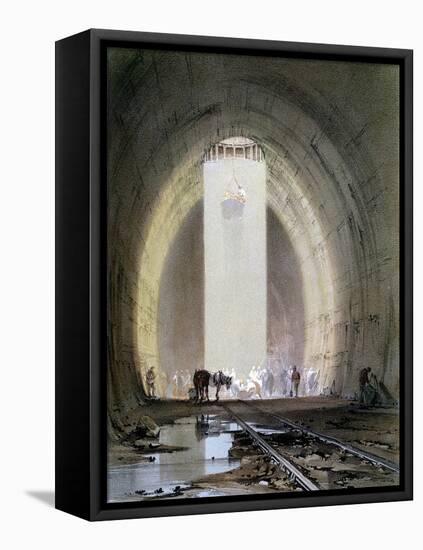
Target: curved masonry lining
[(322, 132)]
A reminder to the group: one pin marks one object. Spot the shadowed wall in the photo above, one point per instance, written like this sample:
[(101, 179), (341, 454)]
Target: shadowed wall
[(285, 305), (181, 302)]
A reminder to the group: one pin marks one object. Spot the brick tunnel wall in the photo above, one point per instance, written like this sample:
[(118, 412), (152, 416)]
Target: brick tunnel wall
[(329, 131)]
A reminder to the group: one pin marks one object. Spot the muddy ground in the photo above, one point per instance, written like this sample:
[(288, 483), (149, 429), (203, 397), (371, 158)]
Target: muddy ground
[(371, 429)]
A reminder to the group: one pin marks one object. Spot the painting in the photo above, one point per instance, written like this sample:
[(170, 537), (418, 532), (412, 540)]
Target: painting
[(253, 274)]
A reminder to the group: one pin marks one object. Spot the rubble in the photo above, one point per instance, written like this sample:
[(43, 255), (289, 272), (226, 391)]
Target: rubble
[(255, 473), (144, 428), (147, 425)]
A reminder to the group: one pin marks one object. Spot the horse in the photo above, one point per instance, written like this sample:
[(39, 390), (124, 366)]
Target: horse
[(219, 379), (201, 382)]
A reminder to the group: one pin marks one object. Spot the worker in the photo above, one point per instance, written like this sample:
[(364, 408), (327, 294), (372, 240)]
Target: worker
[(151, 381), (363, 382), (295, 381)]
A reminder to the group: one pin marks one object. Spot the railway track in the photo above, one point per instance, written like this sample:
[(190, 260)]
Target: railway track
[(293, 472), (298, 473), (364, 455)]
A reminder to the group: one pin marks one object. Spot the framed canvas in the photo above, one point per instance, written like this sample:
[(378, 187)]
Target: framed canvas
[(234, 274)]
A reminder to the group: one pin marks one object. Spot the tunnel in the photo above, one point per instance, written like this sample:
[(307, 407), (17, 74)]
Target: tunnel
[(333, 259)]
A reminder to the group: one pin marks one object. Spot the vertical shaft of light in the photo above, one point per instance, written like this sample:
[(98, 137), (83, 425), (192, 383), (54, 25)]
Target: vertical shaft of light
[(235, 268)]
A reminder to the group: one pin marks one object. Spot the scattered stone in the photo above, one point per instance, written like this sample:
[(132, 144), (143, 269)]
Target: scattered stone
[(240, 452), (285, 438), (279, 484), (314, 457), (147, 424), (177, 491)]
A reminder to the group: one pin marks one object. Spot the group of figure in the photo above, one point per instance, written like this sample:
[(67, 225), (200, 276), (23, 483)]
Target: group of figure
[(180, 384), (260, 383), (267, 382)]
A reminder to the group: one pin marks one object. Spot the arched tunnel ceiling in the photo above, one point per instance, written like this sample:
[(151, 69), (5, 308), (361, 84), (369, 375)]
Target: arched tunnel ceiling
[(323, 128)]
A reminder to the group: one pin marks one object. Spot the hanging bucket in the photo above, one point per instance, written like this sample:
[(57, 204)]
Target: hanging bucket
[(232, 207)]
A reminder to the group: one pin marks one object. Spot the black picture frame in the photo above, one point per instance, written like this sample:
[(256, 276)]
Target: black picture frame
[(81, 286)]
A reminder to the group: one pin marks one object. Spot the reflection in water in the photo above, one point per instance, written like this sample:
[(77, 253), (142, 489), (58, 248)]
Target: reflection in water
[(208, 440)]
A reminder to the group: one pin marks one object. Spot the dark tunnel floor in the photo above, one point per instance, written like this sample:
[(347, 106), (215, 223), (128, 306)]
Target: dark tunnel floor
[(181, 463)]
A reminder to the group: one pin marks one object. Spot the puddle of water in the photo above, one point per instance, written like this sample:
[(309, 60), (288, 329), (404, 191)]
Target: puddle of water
[(208, 441)]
